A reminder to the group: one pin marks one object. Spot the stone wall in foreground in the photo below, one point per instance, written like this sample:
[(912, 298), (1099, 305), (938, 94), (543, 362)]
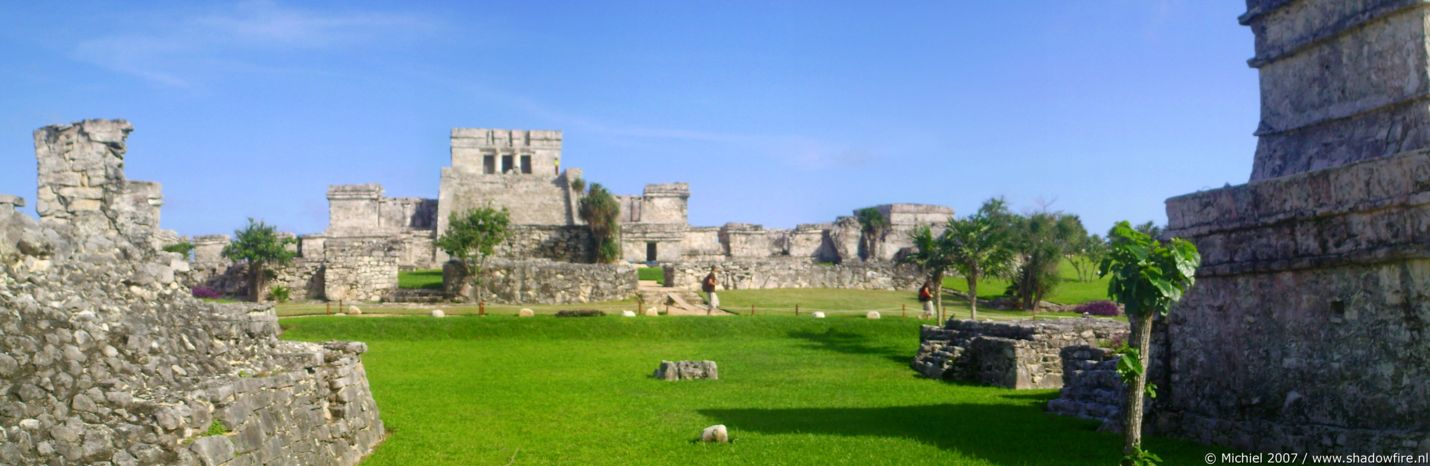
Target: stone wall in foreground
[(794, 273), (106, 359)]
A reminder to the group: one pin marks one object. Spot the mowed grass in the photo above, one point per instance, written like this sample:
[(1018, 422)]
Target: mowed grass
[(651, 273), (545, 390), (420, 279), (856, 303), (1069, 291)]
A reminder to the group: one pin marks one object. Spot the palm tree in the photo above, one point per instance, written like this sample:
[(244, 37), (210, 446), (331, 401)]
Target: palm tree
[(933, 255), (873, 225)]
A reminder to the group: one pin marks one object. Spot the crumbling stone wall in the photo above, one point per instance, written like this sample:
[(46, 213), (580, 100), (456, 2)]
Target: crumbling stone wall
[(359, 269), (794, 273), (1017, 354), (546, 282), (104, 357), (558, 243), (81, 181)]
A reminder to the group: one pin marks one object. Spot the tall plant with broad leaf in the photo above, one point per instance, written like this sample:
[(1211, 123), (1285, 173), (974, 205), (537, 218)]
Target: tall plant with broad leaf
[(472, 237), (981, 246), (1148, 278)]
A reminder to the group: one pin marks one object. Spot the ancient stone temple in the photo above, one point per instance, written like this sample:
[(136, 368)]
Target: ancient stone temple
[(1307, 328), (105, 358)]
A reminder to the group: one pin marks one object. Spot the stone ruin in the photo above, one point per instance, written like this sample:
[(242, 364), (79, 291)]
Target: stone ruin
[(106, 359), (1017, 354), (1306, 329), (371, 237)]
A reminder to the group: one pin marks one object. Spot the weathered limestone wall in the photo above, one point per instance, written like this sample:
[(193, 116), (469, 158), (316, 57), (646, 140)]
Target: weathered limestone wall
[(702, 243), (1019, 354), (1366, 61), (359, 269), (1314, 289), (471, 146), (665, 203), (104, 357), (544, 282), (811, 241), (1304, 330), (669, 239), (558, 243), (81, 180), (794, 273), (361, 210)]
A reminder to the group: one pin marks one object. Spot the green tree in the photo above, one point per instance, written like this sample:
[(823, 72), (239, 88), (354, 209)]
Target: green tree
[(472, 237), (934, 256), (259, 246), (1086, 255), (874, 226), (1042, 240), (980, 246), (603, 214), (1148, 277)]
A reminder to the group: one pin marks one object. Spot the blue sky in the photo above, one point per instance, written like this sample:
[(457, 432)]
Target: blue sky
[(775, 112)]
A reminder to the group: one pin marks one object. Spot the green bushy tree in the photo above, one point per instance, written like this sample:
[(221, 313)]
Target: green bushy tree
[(1042, 240), (259, 246), (981, 246), (472, 237)]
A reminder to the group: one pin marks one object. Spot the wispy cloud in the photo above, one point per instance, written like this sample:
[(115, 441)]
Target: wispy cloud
[(793, 150), (170, 50)]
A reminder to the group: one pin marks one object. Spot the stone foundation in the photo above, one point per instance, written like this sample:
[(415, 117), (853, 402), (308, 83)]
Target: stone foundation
[(544, 282), (1016, 354), (795, 273)]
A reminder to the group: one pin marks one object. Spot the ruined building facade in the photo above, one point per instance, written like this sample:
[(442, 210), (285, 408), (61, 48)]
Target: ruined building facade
[(370, 236)]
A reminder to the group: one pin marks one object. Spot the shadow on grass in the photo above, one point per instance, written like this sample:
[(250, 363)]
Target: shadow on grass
[(849, 343), (1002, 434)]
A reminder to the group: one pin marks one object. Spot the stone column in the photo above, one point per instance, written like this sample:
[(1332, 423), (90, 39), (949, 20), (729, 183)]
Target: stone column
[(1305, 331), (81, 172)]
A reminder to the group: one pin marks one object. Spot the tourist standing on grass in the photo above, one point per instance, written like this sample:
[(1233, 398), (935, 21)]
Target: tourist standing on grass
[(926, 297), (708, 286)]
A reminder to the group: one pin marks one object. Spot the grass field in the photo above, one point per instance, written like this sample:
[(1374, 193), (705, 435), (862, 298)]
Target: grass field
[(420, 279), (1069, 291), (652, 273), (504, 390)]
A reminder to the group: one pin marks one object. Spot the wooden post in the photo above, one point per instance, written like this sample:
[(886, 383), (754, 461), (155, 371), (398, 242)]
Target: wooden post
[(903, 310), (752, 309), (328, 308), (482, 308), (796, 310)]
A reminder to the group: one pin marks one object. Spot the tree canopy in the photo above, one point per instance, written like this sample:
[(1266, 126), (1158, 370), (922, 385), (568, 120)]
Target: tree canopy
[(599, 209)]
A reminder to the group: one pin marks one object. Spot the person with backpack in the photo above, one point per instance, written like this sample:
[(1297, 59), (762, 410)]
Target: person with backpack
[(708, 286), (926, 297)]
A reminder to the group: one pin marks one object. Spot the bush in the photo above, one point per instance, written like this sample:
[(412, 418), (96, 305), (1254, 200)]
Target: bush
[(1100, 308), (580, 313), (205, 292), (278, 293)]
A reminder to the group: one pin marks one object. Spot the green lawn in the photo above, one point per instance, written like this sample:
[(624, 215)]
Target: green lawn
[(652, 273), (420, 279), (854, 303), (504, 390), (1069, 291)]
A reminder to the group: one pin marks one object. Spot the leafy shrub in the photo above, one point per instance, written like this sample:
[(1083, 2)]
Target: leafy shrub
[(1100, 308), (205, 292), (580, 313), (182, 247), (278, 293), (216, 428)]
